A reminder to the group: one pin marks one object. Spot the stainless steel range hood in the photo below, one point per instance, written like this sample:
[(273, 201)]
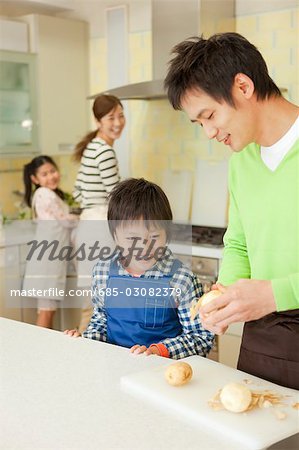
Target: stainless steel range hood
[(146, 90), (172, 22)]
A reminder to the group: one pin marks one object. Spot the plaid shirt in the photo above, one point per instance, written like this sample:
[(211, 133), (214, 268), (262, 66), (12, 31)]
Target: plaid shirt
[(194, 339)]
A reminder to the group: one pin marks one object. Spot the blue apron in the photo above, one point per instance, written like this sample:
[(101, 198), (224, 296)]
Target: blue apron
[(140, 310)]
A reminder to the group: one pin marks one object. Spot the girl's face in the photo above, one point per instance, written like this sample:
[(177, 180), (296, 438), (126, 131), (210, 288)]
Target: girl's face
[(111, 125), (46, 175)]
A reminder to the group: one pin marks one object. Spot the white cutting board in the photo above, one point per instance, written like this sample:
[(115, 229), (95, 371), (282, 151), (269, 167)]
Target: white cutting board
[(256, 429)]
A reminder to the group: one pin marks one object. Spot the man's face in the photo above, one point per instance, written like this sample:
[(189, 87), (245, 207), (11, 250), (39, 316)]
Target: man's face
[(140, 243), (232, 126)]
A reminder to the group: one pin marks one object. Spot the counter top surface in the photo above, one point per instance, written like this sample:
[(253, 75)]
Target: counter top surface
[(63, 393), (197, 250)]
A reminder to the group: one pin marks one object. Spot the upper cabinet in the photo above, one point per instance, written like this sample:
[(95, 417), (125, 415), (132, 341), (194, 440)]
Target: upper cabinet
[(18, 116), (60, 78)]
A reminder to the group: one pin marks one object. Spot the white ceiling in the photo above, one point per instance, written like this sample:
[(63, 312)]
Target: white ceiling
[(93, 11), (259, 6)]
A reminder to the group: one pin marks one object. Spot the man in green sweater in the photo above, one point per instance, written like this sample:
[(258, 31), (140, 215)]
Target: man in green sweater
[(223, 84)]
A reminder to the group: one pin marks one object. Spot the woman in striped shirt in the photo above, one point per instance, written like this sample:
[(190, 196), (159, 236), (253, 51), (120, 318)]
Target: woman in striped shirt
[(98, 172), (97, 175)]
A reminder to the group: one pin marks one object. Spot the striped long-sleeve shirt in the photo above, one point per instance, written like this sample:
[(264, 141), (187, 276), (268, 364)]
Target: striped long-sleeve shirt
[(97, 175)]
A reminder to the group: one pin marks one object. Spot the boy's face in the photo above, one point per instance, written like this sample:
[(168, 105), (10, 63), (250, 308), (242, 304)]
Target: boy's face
[(235, 127), (140, 244)]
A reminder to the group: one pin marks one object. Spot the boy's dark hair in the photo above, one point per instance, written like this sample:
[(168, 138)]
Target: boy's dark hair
[(136, 199), (212, 64)]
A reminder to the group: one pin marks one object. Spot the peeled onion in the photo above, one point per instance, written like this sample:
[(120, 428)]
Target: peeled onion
[(235, 397)]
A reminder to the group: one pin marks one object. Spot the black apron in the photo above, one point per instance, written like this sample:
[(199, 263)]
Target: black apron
[(270, 348)]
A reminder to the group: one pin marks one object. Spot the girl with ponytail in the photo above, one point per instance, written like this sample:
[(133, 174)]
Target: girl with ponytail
[(41, 179)]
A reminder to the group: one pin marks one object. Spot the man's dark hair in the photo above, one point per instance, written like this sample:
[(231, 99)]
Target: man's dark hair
[(212, 64), (136, 199)]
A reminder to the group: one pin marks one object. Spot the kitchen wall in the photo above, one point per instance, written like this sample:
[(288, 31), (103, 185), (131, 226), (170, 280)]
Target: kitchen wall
[(161, 138), (276, 34)]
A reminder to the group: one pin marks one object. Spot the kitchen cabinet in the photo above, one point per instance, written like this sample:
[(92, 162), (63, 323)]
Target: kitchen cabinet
[(13, 36), (12, 269), (61, 47), (228, 349), (18, 112), (13, 252), (229, 344), (9, 278)]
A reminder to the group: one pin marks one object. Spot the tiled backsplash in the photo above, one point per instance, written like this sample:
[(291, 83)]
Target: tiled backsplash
[(276, 34)]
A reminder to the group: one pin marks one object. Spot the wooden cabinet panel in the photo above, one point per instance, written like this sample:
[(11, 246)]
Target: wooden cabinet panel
[(10, 305), (62, 80), (229, 347)]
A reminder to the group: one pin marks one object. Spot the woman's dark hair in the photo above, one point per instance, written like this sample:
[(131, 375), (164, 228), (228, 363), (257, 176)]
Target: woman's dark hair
[(102, 105), (212, 64), (31, 169), (136, 199)]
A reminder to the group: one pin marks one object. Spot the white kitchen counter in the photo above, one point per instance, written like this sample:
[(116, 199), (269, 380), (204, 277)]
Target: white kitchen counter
[(62, 393), (196, 250)]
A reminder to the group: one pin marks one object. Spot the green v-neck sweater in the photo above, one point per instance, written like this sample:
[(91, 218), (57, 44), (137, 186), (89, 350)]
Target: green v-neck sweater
[(262, 239)]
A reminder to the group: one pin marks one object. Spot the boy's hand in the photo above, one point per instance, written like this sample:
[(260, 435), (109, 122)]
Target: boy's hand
[(139, 349), (72, 333)]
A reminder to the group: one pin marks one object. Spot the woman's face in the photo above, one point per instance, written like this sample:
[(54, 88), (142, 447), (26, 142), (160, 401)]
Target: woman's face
[(111, 125)]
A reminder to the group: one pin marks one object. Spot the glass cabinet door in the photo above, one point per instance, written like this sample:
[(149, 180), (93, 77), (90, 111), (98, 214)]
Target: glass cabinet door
[(18, 117)]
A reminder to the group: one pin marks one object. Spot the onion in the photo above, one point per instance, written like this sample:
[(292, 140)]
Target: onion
[(206, 298), (209, 296), (178, 373), (235, 397)]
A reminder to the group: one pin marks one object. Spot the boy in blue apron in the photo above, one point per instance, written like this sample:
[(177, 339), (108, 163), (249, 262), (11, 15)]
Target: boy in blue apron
[(142, 294)]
